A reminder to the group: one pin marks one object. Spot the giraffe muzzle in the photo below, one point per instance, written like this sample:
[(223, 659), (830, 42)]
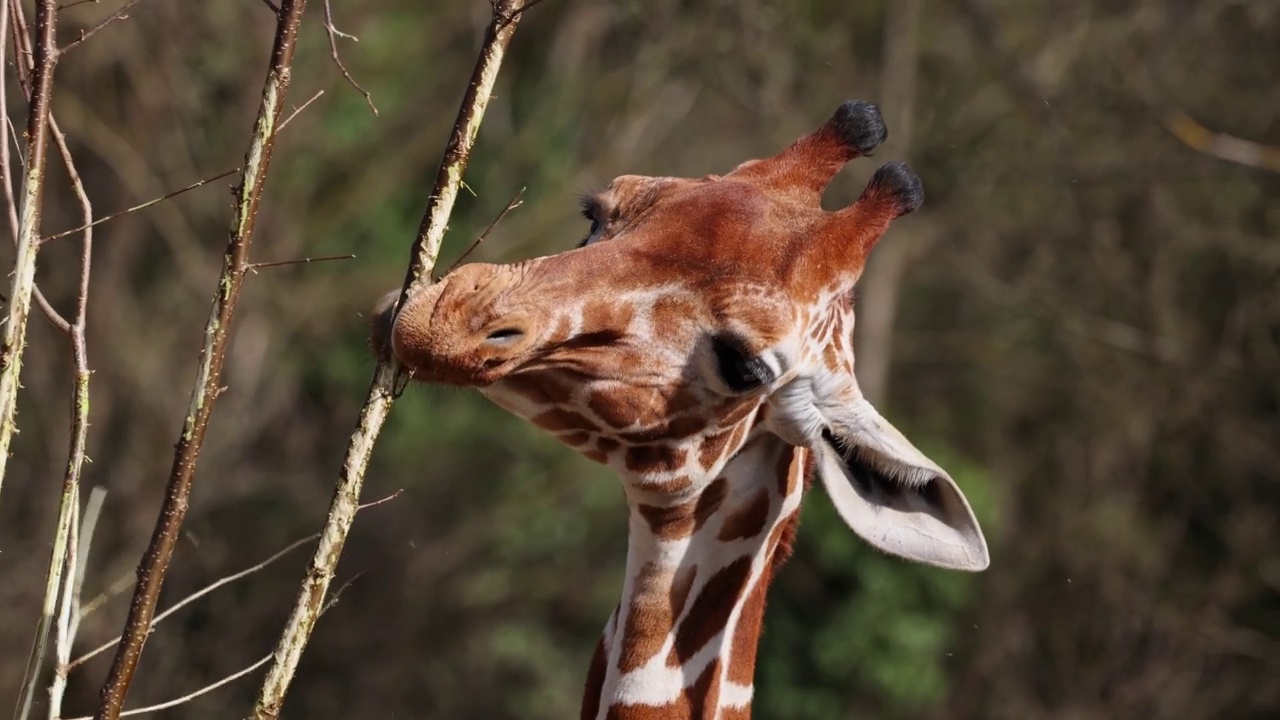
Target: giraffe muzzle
[(455, 332)]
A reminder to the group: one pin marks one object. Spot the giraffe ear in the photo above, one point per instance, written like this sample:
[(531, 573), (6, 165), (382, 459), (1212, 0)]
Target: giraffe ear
[(894, 497)]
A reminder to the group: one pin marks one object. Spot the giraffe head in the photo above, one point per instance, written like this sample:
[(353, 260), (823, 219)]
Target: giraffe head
[(698, 316)]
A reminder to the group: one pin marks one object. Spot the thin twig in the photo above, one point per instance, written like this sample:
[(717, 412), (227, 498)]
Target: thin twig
[(426, 247), (254, 267), (192, 695), (227, 580), (13, 131), (21, 45), (66, 611), (337, 594), (299, 109), (65, 6), (164, 538), (334, 33), (86, 255), (63, 538), (6, 129), (258, 567), (142, 206), (68, 617), (121, 14), (515, 203), (274, 8), (328, 606), (24, 271), (376, 503), (121, 584)]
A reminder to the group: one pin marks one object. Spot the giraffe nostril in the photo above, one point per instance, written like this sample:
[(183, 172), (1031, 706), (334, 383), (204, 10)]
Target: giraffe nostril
[(504, 336)]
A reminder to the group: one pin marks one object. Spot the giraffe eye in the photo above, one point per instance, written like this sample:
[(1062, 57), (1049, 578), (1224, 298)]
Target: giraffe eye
[(591, 211), (740, 370)]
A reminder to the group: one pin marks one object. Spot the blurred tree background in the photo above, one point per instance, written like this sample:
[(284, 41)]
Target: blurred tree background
[(1083, 324)]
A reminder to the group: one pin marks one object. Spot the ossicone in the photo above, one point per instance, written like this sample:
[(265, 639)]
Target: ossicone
[(860, 125), (805, 168), (895, 186)]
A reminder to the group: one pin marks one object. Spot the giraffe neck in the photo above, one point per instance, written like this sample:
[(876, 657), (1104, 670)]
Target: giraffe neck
[(682, 643)]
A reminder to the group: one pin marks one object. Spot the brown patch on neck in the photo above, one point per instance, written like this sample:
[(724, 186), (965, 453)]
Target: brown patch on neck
[(650, 618), (709, 502), (714, 448), (710, 611), (681, 584), (672, 522), (748, 519), (746, 634), (668, 523), (800, 469)]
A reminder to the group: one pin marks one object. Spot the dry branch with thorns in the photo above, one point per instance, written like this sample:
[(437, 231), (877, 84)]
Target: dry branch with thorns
[(382, 391), (208, 385)]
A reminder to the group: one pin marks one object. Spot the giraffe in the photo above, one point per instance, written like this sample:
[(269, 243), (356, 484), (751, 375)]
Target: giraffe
[(699, 342)]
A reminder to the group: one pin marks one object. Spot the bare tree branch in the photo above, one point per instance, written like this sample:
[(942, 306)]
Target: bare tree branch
[(191, 695), (334, 33), (426, 249), (164, 538), (24, 271), (70, 506), (62, 643), (141, 206), (6, 177), (121, 14), (512, 205), (299, 109), (121, 584), (254, 267), (226, 580)]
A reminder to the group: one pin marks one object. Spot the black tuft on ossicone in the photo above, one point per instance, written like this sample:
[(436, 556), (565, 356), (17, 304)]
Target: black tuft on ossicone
[(860, 125), (899, 181)]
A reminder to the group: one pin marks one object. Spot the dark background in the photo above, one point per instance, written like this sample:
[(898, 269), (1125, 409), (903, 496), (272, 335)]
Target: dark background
[(1082, 324)]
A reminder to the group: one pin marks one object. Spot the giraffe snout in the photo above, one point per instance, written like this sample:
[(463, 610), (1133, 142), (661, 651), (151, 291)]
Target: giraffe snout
[(455, 331)]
